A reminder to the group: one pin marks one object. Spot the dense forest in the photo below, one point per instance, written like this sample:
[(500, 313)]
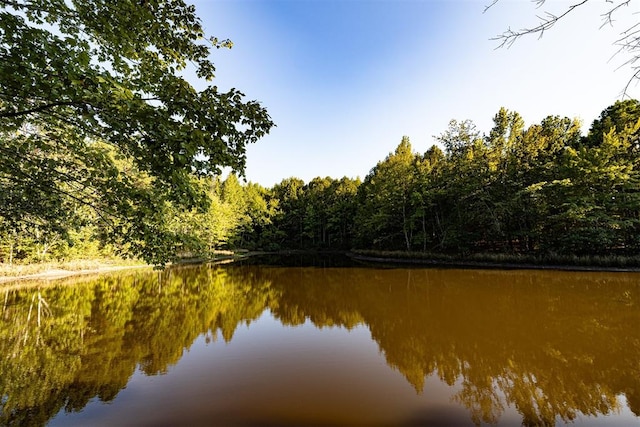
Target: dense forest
[(542, 189)]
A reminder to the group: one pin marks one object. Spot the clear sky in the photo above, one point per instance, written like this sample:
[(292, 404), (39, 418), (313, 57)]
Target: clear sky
[(344, 80)]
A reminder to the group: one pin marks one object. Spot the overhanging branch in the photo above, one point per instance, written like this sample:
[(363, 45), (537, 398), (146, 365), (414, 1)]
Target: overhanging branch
[(13, 114), (546, 22)]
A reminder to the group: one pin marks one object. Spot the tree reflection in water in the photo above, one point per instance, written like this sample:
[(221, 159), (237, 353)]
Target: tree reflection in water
[(551, 344)]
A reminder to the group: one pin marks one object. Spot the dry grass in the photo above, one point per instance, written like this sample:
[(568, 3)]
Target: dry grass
[(17, 270), (595, 261)]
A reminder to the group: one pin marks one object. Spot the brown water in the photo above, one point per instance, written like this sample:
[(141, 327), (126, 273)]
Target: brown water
[(270, 346)]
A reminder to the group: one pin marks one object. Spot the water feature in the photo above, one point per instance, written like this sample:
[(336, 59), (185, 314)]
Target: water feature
[(323, 344)]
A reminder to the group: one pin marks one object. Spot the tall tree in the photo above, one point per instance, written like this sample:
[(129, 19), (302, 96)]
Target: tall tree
[(464, 197), (260, 211), (342, 212), (316, 226), (234, 197), (385, 213), (288, 224), (77, 75), (424, 197), (505, 202)]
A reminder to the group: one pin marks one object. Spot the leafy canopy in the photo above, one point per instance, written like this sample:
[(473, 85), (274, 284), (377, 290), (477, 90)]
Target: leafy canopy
[(95, 110)]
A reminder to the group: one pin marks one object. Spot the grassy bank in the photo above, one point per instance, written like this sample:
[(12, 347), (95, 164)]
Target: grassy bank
[(31, 270), (18, 270)]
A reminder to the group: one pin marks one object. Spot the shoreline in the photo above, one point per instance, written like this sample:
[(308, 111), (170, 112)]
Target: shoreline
[(488, 265), (59, 273), (55, 273)]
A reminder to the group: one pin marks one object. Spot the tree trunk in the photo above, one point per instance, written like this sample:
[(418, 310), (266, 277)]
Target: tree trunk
[(424, 231), (404, 225)]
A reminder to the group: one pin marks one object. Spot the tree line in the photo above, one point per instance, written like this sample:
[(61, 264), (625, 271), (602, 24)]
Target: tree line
[(538, 189), (541, 189)]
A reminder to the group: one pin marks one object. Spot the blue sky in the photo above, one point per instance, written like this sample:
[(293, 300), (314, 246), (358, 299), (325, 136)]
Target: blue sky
[(344, 80)]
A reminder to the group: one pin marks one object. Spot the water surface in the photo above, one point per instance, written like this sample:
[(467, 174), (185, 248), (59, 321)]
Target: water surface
[(246, 345)]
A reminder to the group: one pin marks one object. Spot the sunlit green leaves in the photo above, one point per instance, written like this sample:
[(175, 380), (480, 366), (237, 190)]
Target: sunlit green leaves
[(541, 189), (87, 72)]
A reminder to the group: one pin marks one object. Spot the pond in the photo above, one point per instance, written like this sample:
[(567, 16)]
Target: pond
[(328, 344)]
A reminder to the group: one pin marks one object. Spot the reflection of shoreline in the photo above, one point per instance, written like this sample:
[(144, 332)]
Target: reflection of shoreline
[(486, 265), (60, 273), (54, 273)]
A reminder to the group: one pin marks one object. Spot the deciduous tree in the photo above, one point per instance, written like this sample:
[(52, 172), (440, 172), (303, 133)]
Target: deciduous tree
[(87, 83)]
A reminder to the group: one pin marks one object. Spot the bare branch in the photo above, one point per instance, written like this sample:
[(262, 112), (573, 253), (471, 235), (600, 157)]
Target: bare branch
[(489, 6), (608, 17), (634, 77), (546, 22), (628, 42)]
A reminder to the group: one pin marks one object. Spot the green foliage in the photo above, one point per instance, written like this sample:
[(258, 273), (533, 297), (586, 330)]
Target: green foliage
[(539, 190), (94, 114), (385, 196), (618, 117), (317, 215)]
